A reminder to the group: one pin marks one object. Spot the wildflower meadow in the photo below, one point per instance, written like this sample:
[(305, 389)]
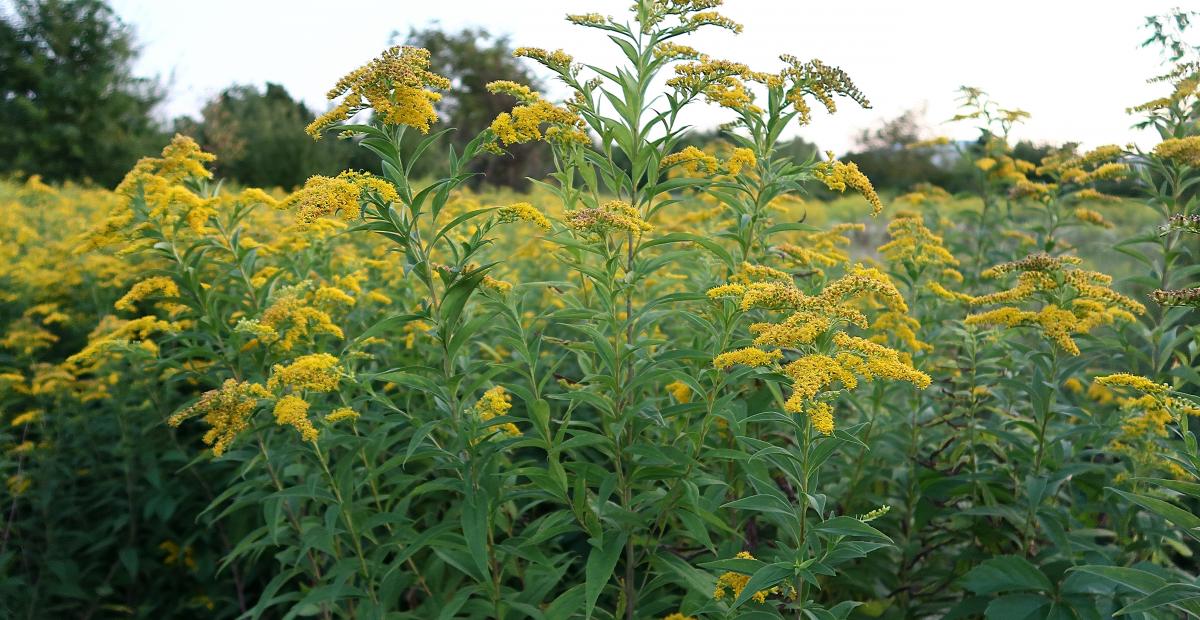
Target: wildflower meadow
[(664, 381)]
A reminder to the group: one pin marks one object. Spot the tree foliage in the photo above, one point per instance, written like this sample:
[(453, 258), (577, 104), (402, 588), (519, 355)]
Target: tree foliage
[(71, 104), (472, 58), (258, 138)]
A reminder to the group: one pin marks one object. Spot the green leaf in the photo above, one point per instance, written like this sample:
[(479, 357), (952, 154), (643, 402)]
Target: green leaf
[(456, 297), (1018, 607), (1167, 595), (1136, 579), (762, 503), (849, 526), (475, 529), (381, 327), (1180, 517), (764, 578), (601, 562), (1006, 574), (708, 244)]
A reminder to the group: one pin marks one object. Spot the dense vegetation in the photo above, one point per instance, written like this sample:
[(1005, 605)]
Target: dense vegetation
[(661, 382)]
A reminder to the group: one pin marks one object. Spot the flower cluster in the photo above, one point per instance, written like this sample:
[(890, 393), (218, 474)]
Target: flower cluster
[(820, 81), (838, 176), (1055, 296), (524, 123), (826, 362), (612, 215), (495, 403), (523, 211), (395, 85), (913, 243), (341, 195), (226, 410)]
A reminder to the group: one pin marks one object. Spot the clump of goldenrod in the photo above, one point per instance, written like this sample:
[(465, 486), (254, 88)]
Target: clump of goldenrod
[(523, 211), (524, 122), (1055, 296), (1147, 416), (162, 286), (341, 195), (838, 176), (611, 216), (291, 410), (226, 410), (395, 85), (1184, 150), (731, 583), (840, 359), (290, 318), (692, 160), (159, 194), (913, 243), (818, 250), (317, 372), (494, 403)]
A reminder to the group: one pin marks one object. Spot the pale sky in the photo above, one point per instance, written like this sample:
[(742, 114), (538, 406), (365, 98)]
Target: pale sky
[(1075, 65)]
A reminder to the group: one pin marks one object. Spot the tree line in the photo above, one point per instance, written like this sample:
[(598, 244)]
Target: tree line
[(73, 109)]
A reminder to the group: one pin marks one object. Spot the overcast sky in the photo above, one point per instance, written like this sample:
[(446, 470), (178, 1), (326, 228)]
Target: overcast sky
[(1075, 65)]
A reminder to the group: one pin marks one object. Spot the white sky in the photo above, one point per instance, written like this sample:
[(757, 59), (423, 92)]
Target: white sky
[(1075, 65)]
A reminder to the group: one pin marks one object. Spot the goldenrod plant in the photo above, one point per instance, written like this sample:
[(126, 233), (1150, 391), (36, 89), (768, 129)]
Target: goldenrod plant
[(668, 381)]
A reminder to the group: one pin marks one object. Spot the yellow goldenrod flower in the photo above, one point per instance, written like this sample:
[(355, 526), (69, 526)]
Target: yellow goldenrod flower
[(226, 410), (736, 582), (693, 160), (395, 86), (749, 356), (1134, 382), (741, 157), (678, 389), (612, 215), (317, 372), (837, 176), (292, 411), (160, 285), (496, 402), (1185, 150), (341, 413), (525, 212)]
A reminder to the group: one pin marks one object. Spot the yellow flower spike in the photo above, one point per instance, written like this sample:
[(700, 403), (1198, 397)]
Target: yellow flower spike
[(749, 356), (500, 286), (677, 389), (1134, 382), (494, 403), (226, 410), (1042, 282), (317, 372), (1184, 150), (341, 413), (395, 85), (293, 411), (736, 582), (694, 161), (838, 176), (612, 215), (523, 211)]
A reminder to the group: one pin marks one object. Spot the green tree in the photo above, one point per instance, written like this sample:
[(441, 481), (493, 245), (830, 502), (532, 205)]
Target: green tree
[(72, 107), (258, 138), (882, 154), (472, 58)]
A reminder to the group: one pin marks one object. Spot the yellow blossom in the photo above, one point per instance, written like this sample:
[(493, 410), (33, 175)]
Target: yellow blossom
[(317, 372), (395, 86), (292, 411), (749, 356)]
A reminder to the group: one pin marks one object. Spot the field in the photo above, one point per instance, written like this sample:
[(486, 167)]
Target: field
[(666, 382)]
